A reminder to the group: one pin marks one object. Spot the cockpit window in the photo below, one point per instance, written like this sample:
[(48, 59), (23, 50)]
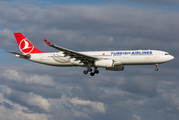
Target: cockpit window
[(166, 53)]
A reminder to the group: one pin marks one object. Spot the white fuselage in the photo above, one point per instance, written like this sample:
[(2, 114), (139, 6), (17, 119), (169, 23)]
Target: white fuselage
[(128, 57)]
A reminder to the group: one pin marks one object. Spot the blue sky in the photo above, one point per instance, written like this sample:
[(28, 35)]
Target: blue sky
[(173, 5), (34, 91)]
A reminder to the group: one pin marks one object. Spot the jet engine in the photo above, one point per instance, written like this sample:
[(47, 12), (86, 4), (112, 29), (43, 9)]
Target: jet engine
[(116, 68), (104, 63)]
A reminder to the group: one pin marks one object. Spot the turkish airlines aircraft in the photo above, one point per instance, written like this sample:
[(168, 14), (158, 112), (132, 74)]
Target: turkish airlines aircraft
[(111, 60)]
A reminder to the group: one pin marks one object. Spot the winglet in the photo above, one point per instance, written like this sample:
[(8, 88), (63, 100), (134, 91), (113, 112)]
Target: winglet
[(47, 42)]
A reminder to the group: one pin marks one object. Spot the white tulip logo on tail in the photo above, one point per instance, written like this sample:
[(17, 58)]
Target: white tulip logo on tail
[(25, 46)]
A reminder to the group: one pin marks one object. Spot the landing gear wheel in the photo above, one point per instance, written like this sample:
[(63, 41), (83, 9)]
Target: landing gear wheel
[(92, 74), (85, 72), (96, 71), (156, 69), (89, 69)]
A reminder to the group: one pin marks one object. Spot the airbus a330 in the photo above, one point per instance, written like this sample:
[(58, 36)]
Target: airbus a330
[(110, 60)]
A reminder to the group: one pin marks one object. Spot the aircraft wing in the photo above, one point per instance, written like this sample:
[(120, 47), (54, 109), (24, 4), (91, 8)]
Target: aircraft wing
[(73, 54)]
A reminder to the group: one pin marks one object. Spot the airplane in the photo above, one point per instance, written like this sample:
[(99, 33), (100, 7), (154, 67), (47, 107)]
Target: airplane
[(110, 60)]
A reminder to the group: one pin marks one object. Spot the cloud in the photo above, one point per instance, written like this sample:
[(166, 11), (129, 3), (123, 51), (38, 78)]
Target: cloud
[(32, 101), (6, 105), (13, 111), (39, 84), (41, 92), (156, 2), (139, 85), (86, 26), (135, 117), (13, 75), (96, 106), (6, 37), (87, 90)]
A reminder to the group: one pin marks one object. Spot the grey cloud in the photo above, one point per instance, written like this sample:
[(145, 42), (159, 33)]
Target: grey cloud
[(105, 89), (87, 91), (161, 2), (6, 105), (5, 37), (46, 92), (28, 111), (39, 84), (140, 85), (94, 27), (137, 92), (32, 101), (90, 93), (95, 23), (14, 75)]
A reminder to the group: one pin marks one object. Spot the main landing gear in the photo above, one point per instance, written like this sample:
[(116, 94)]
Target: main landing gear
[(156, 69), (92, 72)]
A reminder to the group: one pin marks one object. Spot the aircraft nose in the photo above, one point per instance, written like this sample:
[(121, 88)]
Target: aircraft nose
[(171, 57)]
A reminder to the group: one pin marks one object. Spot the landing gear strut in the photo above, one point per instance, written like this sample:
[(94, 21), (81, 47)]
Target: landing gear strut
[(86, 71), (92, 72), (156, 69)]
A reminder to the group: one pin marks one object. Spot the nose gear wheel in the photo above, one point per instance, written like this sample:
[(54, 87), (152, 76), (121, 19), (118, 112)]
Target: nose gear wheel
[(156, 69)]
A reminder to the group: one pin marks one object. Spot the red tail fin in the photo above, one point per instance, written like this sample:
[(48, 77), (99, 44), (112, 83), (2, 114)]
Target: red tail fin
[(25, 46)]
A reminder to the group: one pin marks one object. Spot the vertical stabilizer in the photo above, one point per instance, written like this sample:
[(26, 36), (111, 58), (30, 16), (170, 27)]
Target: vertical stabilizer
[(25, 46)]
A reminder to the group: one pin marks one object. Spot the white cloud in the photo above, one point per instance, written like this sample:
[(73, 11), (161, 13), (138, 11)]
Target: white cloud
[(115, 26), (37, 100), (27, 99), (14, 75), (90, 28), (96, 106), (135, 117), (16, 113)]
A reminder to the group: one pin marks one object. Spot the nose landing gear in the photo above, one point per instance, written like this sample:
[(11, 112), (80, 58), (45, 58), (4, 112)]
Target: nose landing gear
[(156, 69)]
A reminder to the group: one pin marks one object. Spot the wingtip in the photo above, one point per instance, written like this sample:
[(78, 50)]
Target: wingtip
[(9, 51), (47, 42)]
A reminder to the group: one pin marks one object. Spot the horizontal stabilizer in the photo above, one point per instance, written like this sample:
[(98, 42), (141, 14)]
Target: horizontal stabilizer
[(27, 56)]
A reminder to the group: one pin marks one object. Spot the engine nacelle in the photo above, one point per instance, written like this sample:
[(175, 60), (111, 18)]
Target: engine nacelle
[(116, 68), (104, 63)]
